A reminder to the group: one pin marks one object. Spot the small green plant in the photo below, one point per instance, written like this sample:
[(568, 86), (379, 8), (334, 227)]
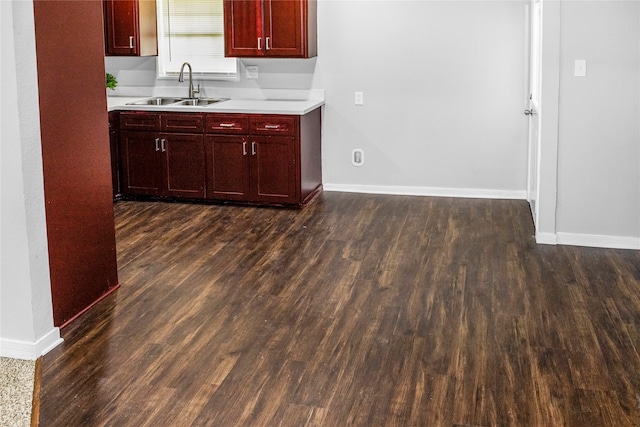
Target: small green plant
[(111, 81)]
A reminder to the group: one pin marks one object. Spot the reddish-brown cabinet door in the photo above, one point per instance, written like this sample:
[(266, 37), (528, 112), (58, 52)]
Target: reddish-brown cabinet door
[(183, 170), (275, 28), (121, 27), (228, 172), (243, 28), (140, 157), (274, 176), (130, 27), (284, 28)]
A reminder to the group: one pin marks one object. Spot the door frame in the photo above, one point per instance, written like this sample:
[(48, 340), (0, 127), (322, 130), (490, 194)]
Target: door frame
[(533, 108)]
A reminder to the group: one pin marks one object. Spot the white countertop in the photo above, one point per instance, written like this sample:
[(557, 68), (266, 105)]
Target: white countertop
[(247, 106)]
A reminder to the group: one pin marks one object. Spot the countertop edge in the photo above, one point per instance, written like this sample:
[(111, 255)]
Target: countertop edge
[(235, 106)]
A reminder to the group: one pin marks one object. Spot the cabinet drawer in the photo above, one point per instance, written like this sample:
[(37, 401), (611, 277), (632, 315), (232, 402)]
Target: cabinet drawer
[(182, 122), (134, 120), (227, 123), (273, 125)]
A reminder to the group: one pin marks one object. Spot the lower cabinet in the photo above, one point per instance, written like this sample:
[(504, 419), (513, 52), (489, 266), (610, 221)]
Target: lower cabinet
[(228, 167), (260, 170), (244, 158), (162, 154), (255, 167), (273, 170), (162, 164)]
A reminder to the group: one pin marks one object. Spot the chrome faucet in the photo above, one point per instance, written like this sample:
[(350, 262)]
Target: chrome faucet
[(192, 91)]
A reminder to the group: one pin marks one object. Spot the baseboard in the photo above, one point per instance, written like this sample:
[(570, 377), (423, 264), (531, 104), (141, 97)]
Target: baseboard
[(471, 193), (546, 238), (89, 307), (598, 241), (26, 350)]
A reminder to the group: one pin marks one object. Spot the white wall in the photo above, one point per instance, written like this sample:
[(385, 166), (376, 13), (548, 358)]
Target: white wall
[(444, 90), (599, 132), (26, 315)]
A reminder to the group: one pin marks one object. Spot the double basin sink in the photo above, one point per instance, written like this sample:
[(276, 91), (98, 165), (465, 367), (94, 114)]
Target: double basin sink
[(185, 102)]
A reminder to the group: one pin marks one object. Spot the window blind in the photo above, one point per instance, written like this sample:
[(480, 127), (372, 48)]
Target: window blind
[(193, 31)]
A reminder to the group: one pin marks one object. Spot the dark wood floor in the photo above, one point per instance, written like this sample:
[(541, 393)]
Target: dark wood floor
[(359, 310)]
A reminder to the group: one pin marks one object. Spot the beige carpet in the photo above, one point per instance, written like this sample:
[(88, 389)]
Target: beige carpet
[(17, 379)]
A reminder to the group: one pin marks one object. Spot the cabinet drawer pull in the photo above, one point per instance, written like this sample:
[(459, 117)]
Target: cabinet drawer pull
[(253, 148), (244, 148), (227, 125), (272, 126), (259, 43), (162, 144), (267, 43), (157, 144), (130, 42)]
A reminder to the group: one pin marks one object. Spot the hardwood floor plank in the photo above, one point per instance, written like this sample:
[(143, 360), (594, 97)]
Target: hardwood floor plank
[(364, 310)]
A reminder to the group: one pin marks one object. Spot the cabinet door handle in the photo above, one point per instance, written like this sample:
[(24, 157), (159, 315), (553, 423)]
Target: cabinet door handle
[(157, 144), (259, 43), (244, 148), (227, 125), (266, 43), (253, 148), (162, 144), (130, 42), (272, 126)]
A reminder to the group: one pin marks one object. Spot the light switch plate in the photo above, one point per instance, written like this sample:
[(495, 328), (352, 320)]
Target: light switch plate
[(359, 99), (580, 68), (252, 71)]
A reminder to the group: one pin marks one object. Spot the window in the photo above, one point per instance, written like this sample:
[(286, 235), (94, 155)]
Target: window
[(193, 31)]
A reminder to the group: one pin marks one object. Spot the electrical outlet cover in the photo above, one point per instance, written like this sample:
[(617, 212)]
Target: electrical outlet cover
[(357, 157), (252, 71)]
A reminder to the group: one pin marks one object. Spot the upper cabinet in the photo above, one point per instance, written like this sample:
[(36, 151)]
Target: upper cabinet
[(270, 28), (130, 27)]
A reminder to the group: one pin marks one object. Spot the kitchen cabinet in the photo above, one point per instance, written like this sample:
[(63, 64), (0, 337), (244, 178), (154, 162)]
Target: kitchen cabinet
[(273, 170), (266, 159), (162, 154), (227, 157), (130, 27), (263, 159), (270, 28)]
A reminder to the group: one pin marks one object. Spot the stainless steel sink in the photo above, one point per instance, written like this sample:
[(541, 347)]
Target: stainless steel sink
[(159, 100), (185, 102), (200, 102)]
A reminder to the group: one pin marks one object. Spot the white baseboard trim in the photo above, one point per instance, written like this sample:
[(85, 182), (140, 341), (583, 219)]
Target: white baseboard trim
[(546, 238), (598, 241), (471, 193), (26, 350)]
